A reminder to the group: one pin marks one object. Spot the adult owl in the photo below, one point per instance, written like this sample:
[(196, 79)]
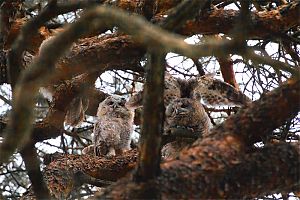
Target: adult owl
[(215, 92), (114, 126), (172, 90), (188, 114)]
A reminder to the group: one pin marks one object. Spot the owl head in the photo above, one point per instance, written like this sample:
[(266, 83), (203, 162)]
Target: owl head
[(171, 92), (113, 106), (180, 109)]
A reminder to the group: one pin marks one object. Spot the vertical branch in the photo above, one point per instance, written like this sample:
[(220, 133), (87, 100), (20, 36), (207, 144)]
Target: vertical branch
[(32, 165), (226, 66), (199, 67), (8, 14), (153, 114)]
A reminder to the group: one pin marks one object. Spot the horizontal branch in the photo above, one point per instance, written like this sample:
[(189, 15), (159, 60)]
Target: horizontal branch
[(270, 170), (61, 174), (264, 24), (247, 176), (155, 38), (108, 52), (244, 177)]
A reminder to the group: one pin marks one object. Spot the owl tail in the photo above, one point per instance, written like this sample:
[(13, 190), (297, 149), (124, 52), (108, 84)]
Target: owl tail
[(76, 111)]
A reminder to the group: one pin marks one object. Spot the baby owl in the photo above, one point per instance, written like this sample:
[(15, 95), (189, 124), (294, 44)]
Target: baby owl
[(184, 113), (112, 131)]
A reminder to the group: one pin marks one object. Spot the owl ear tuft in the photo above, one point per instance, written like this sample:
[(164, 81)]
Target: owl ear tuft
[(135, 101)]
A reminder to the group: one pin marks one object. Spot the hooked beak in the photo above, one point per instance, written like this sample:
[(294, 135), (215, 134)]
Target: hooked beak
[(182, 111), (115, 105)]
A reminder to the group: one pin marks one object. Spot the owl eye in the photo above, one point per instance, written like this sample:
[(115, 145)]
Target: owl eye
[(110, 103), (123, 101), (184, 106)]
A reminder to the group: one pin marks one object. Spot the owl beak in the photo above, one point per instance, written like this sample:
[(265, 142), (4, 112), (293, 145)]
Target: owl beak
[(115, 105), (182, 111)]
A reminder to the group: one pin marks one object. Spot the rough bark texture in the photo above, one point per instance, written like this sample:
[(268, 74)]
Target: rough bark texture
[(153, 112), (264, 24), (233, 179)]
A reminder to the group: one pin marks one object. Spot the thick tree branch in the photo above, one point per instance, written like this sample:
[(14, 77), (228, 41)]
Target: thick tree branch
[(192, 178), (61, 174), (242, 178), (153, 115), (32, 165), (264, 24), (150, 35), (261, 117), (177, 17), (226, 66), (99, 54)]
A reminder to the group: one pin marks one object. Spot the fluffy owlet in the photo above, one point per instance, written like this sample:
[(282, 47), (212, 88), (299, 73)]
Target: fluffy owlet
[(112, 131), (215, 92), (184, 113), (171, 92)]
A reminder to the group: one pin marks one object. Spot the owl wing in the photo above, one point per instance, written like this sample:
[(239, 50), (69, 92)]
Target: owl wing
[(215, 92), (172, 89), (76, 111)]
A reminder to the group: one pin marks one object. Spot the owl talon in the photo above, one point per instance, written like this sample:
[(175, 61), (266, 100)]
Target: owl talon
[(111, 153), (89, 150)]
